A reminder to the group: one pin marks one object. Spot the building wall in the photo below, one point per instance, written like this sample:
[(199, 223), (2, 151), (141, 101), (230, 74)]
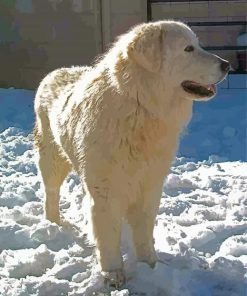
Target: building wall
[(37, 36), (119, 16)]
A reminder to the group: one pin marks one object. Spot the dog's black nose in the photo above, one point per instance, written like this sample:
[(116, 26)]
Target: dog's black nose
[(225, 66)]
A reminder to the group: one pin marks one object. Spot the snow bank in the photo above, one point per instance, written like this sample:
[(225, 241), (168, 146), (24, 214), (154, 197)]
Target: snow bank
[(16, 108), (20, 263), (200, 232)]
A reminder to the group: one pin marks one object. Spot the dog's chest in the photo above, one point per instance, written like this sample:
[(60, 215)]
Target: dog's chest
[(146, 138)]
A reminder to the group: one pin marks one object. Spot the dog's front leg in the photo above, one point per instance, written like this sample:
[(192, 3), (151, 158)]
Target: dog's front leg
[(141, 218), (107, 223)]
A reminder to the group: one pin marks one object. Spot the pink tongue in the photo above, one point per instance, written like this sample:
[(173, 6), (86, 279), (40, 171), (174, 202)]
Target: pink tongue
[(211, 87)]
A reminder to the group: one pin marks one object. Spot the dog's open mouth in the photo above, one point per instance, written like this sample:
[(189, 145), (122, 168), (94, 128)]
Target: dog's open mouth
[(199, 89)]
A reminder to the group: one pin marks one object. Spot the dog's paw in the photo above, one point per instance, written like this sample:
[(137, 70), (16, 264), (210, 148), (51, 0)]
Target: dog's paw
[(53, 219), (114, 279), (151, 259), (65, 223)]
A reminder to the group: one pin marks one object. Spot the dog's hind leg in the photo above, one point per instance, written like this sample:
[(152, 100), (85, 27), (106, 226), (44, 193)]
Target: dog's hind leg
[(54, 168)]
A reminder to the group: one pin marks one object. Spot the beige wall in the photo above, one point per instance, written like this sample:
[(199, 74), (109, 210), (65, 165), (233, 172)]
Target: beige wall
[(44, 35), (37, 36), (119, 16)]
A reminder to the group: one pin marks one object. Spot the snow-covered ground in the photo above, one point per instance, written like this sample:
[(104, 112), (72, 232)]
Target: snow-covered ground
[(200, 232)]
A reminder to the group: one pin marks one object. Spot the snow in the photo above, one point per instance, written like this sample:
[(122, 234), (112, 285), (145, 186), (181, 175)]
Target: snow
[(200, 232)]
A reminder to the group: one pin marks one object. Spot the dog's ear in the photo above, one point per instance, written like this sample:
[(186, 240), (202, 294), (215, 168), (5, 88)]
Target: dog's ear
[(145, 47)]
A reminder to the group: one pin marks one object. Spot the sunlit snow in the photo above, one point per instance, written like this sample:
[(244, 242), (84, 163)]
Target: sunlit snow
[(200, 232)]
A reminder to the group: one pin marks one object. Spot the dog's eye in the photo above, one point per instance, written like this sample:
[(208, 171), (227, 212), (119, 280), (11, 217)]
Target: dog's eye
[(189, 48)]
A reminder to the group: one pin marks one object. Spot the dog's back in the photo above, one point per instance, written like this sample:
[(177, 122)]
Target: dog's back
[(50, 89)]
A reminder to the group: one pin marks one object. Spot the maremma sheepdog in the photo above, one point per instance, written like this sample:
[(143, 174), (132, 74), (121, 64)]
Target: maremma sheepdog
[(117, 125)]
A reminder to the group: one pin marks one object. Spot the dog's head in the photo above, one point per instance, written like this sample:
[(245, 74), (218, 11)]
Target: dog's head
[(171, 50)]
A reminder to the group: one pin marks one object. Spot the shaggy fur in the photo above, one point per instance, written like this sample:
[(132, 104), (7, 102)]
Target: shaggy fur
[(117, 125)]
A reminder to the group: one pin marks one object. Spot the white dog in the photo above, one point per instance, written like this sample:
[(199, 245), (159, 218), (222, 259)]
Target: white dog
[(117, 125)]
